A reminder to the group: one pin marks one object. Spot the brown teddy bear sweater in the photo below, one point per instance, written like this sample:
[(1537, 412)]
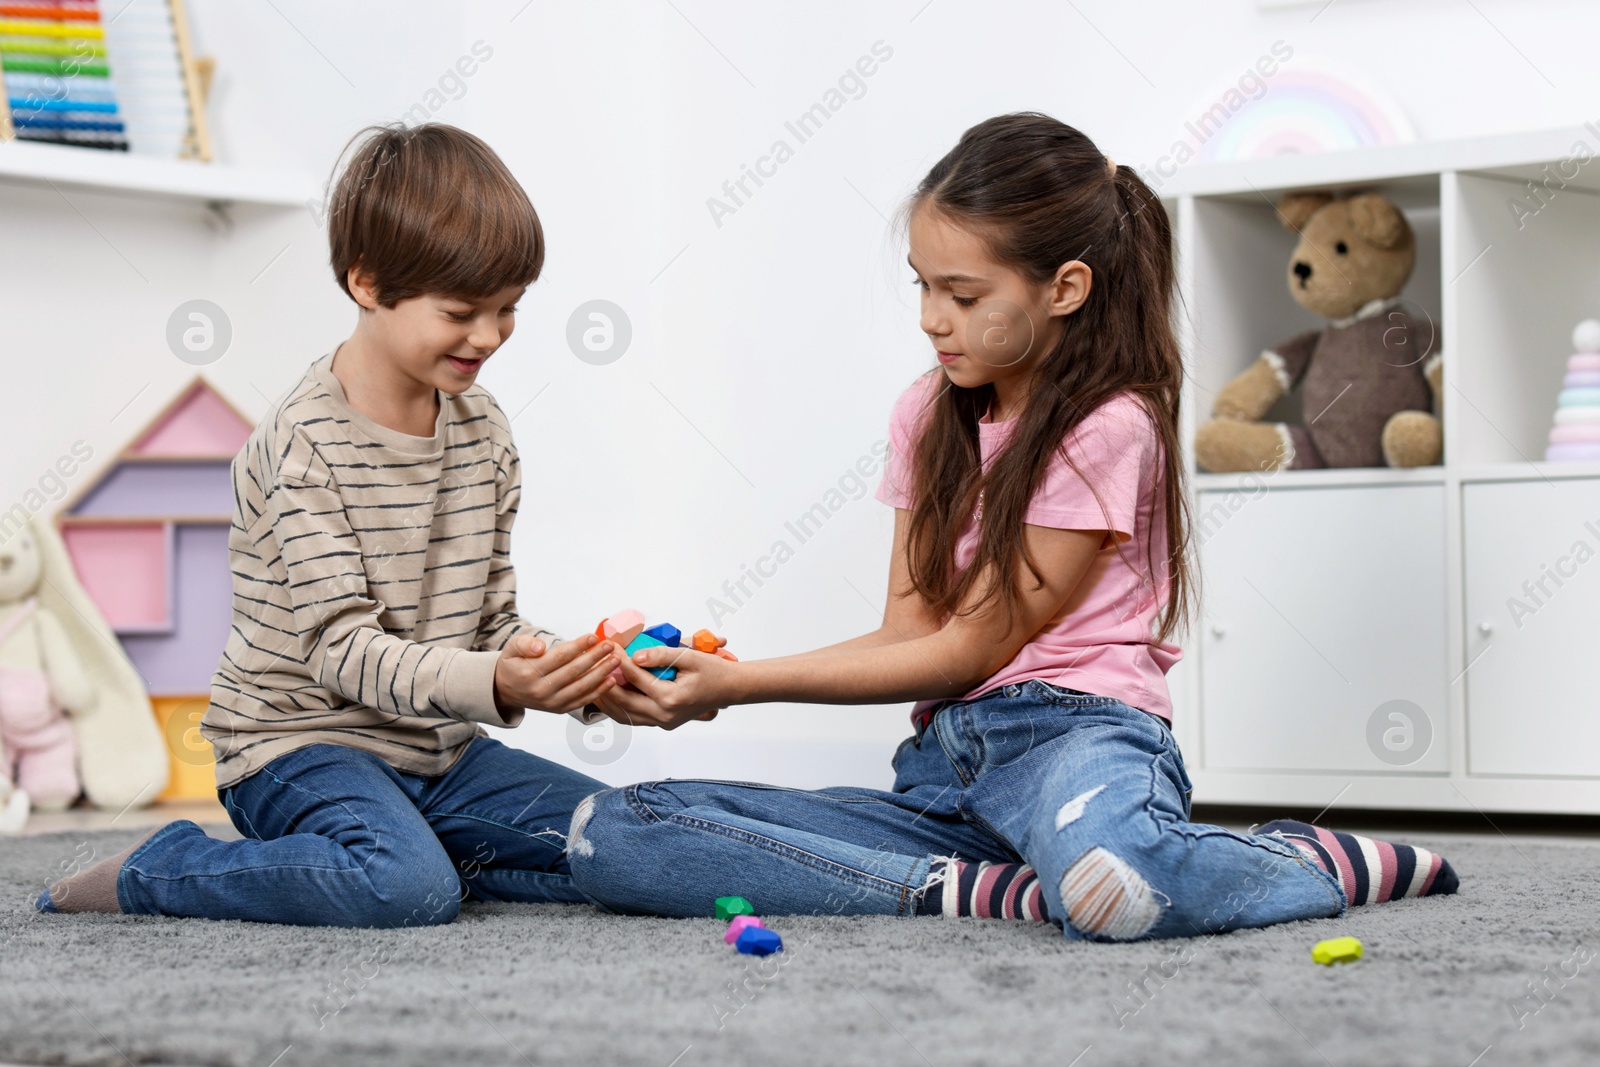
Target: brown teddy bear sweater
[(1381, 348)]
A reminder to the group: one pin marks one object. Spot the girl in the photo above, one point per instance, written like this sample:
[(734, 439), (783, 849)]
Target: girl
[(1039, 570)]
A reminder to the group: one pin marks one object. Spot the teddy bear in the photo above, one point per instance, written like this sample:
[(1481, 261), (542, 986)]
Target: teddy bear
[(41, 677), (1369, 378)]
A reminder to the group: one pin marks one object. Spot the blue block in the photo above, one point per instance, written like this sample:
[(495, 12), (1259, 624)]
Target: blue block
[(644, 640), (667, 634), (756, 941)]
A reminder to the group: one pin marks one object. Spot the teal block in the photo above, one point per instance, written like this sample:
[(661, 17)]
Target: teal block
[(643, 641)]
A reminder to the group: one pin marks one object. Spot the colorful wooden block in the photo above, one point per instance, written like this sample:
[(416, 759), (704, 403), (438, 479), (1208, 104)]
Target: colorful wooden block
[(728, 907), (623, 627), (644, 641), (758, 941), (1336, 950), (704, 641), (738, 926), (667, 634)]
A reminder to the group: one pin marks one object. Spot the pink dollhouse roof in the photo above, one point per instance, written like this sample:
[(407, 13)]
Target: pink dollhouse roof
[(149, 538), (199, 424), (177, 466)]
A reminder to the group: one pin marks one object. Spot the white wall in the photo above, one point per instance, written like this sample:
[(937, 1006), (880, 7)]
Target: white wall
[(765, 357)]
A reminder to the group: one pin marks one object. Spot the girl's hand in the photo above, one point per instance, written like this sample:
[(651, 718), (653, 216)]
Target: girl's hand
[(703, 686), (560, 679)]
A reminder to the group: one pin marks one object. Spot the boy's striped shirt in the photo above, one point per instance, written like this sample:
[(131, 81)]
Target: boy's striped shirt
[(372, 583)]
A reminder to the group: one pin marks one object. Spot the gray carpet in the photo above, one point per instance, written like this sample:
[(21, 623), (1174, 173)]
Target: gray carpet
[(523, 984)]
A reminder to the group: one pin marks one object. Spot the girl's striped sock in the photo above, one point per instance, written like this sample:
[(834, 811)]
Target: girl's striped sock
[(1369, 872), (986, 890)]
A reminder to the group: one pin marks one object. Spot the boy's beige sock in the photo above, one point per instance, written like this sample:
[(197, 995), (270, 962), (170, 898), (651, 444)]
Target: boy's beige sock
[(95, 887)]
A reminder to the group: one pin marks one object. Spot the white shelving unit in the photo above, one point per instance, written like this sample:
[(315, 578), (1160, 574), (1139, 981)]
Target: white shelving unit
[(85, 170), (1330, 594)]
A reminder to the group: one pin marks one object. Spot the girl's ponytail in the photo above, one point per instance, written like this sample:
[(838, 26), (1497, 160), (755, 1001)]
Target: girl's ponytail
[(1148, 283)]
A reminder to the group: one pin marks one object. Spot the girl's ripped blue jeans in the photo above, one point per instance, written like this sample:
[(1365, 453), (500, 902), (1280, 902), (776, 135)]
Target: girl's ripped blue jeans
[(1089, 791)]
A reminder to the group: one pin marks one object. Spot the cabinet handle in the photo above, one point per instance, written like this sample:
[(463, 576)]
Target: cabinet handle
[(1216, 629), (1486, 628)]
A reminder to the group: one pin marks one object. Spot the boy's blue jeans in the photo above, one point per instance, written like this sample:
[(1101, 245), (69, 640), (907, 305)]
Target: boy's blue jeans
[(334, 836), (1091, 792)]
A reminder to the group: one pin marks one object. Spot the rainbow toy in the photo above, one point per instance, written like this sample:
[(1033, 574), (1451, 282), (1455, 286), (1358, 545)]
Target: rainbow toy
[(1575, 434), (54, 77), (1305, 106)]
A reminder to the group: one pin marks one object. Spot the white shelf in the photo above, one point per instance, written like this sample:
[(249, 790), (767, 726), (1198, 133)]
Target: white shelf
[(122, 173), (1204, 481), (1339, 604), (1529, 472), (1339, 477), (1518, 155), (1387, 792)]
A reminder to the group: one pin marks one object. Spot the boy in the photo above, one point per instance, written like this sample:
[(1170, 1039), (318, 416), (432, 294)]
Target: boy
[(374, 618)]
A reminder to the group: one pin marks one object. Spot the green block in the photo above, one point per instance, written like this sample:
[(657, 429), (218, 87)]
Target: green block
[(728, 907)]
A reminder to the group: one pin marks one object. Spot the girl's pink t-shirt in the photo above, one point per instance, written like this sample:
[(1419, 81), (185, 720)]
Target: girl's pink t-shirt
[(1103, 640)]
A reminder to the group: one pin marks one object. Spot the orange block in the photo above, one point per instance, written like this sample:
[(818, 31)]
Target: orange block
[(193, 775), (704, 641)]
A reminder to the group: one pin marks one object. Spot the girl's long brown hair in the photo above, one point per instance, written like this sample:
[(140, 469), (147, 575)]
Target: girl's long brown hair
[(1042, 195)]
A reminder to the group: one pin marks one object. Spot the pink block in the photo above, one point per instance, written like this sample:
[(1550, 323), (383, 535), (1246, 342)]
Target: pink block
[(127, 572), (1584, 361), (1576, 433), (201, 425), (623, 621), (739, 925)]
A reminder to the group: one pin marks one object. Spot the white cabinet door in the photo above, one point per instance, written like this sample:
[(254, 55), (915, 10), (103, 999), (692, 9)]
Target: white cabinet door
[(1533, 627), (1323, 636)]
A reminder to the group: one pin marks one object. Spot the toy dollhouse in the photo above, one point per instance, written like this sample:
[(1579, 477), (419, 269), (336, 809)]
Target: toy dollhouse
[(149, 539)]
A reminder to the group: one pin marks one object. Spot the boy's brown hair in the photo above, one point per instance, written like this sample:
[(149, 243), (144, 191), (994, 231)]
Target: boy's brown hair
[(431, 209)]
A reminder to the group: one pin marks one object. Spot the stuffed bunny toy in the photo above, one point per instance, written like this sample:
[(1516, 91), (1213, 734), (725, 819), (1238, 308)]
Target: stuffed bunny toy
[(73, 709), (41, 677)]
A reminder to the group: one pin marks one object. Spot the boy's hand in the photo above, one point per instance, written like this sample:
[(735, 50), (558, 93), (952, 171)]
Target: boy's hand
[(704, 684), (560, 679)]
